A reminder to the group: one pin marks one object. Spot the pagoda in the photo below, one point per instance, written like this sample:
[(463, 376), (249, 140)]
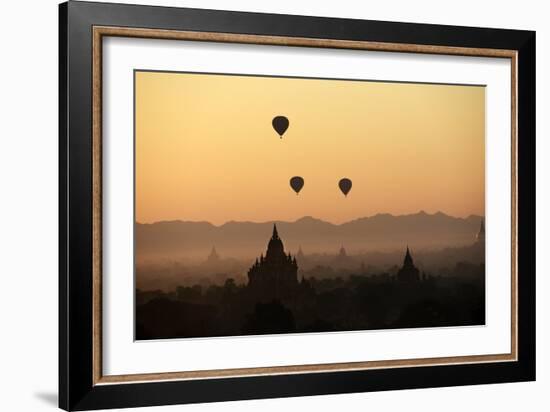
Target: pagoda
[(408, 272), (274, 276)]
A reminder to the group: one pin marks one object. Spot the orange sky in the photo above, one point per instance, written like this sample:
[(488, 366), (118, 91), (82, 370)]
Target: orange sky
[(206, 150)]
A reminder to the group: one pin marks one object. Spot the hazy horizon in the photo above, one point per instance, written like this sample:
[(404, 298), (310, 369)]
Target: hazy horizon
[(439, 212), (177, 239)]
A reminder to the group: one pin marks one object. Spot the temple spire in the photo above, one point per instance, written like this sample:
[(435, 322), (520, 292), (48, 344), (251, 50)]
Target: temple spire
[(480, 237), (213, 256), (408, 272), (408, 257), (275, 233)]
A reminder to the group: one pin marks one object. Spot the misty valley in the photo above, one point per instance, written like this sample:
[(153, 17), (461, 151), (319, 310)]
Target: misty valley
[(286, 284)]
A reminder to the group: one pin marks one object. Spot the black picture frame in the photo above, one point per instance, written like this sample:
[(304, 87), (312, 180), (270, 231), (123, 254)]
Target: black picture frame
[(77, 390)]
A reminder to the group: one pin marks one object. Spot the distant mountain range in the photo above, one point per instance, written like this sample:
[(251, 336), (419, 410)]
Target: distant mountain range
[(184, 240)]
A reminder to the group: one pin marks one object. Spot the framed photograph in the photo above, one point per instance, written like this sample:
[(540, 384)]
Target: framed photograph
[(257, 205)]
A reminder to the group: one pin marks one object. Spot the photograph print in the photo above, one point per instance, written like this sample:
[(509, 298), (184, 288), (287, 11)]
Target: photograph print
[(276, 205)]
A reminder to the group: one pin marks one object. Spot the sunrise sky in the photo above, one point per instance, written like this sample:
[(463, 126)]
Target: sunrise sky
[(206, 149)]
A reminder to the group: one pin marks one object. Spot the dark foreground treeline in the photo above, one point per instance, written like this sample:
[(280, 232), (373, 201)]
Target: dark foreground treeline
[(355, 303)]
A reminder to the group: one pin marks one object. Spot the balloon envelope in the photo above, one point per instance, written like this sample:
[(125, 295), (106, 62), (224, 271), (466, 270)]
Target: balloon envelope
[(345, 185), (296, 183), (280, 124)]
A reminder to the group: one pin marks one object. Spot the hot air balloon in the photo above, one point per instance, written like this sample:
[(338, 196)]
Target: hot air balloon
[(296, 183), (280, 124), (345, 185)]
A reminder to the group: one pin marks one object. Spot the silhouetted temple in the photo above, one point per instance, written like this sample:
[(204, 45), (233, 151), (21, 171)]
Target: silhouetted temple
[(342, 260), (408, 272), (213, 257), (274, 276), (342, 253), (480, 238)]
